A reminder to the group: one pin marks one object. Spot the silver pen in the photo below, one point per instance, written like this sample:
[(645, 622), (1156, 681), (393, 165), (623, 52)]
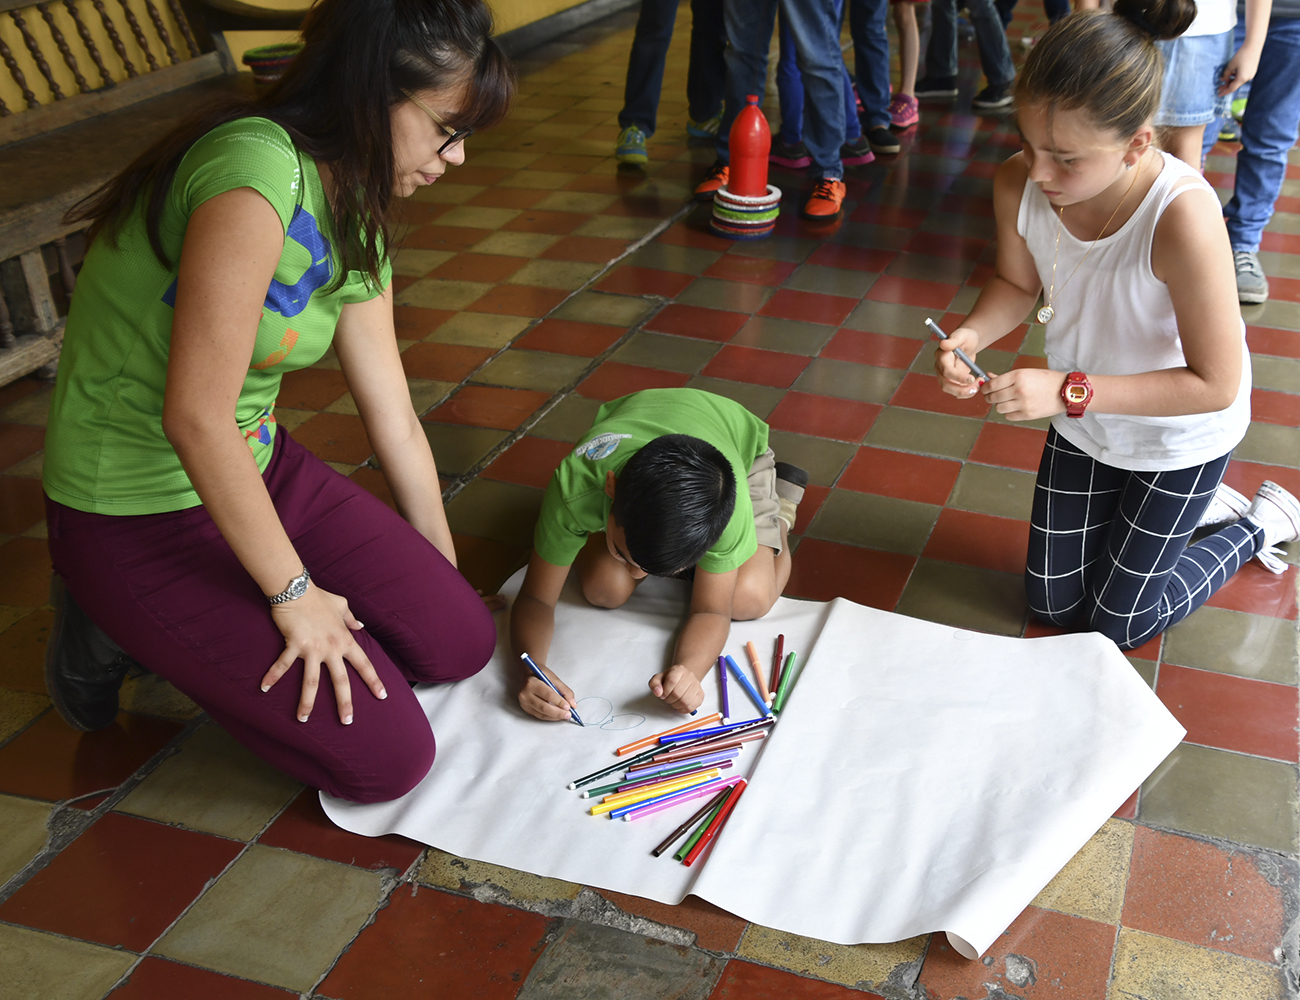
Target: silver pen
[(976, 370)]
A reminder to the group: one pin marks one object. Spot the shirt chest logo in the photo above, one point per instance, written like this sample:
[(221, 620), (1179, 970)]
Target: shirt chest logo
[(601, 446)]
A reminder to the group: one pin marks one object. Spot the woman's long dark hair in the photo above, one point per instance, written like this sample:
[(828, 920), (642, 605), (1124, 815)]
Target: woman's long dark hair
[(333, 100)]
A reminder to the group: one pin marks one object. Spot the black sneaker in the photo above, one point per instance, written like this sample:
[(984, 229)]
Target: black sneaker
[(789, 156), (856, 153), (993, 97), (882, 140), (790, 479), (84, 668), (936, 86)]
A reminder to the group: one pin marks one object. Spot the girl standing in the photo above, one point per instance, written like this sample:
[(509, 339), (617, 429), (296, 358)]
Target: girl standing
[(1148, 378)]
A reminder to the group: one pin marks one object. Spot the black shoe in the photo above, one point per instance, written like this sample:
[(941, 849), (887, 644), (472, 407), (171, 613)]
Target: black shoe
[(84, 668), (936, 86), (882, 140), (792, 475), (993, 97)]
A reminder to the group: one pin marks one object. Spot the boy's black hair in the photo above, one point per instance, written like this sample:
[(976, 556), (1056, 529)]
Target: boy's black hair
[(673, 499)]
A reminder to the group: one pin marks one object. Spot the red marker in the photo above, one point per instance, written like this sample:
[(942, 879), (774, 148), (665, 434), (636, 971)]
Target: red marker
[(717, 823)]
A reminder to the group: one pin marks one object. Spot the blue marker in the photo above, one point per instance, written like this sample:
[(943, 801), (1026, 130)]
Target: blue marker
[(749, 688), (726, 699), (537, 672)]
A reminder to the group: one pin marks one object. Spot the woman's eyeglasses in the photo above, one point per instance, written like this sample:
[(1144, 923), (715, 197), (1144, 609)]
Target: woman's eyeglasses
[(460, 135)]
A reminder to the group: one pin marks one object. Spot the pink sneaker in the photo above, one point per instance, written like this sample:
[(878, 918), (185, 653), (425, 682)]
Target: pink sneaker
[(904, 111)]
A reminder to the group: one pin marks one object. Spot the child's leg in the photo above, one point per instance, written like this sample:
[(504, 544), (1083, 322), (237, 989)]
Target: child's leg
[(909, 46), (1147, 578), (606, 582), (763, 575), (1075, 499), (1183, 142)]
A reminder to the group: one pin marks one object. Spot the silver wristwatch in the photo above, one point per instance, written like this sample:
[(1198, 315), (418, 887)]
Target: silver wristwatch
[(297, 587)]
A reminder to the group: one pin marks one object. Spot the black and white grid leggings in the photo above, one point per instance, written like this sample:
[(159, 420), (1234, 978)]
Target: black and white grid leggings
[(1108, 548)]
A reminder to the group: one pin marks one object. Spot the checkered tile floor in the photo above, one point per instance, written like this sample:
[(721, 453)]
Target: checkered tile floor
[(533, 283)]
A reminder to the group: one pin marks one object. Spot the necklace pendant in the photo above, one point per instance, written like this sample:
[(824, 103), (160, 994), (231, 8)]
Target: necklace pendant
[(1045, 315)]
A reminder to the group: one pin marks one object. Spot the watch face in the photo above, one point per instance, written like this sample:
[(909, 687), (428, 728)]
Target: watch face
[(1076, 393), (298, 588)]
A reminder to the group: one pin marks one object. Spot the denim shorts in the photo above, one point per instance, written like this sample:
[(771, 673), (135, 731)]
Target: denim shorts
[(1190, 90)]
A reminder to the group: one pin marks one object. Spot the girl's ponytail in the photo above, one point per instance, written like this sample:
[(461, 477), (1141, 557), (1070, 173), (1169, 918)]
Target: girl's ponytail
[(1161, 19)]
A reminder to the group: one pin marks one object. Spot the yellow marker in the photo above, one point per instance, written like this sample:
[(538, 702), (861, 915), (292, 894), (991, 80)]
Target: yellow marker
[(612, 802)]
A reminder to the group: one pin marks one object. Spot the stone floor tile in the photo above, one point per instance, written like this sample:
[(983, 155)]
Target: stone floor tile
[(18, 709), (1200, 893), (486, 330), (824, 416), (748, 981), (877, 522), (22, 833), (589, 962), (26, 580), (865, 966), (515, 244), (568, 419), (36, 966), (924, 433), (275, 917), (519, 300), (304, 828), (760, 400), (446, 871), (749, 364), (158, 979), (1232, 713), (336, 437), (786, 335), (1092, 883), (737, 266), (735, 296), (157, 871), (715, 929), (901, 475), (697, 321), (441, 293), (1282, 374), (1270, 444), (564, 336), (1041, 954), (49, 760), (530, 461), (458, 449), (1156, 968), (823, 460), (488, 406), (503, 512), (1255, 590), (531, 370), (1259, 646), (658, 350), (822, 571), (565, 274), (22, 504), (1002, 492), (598, 307), (831, 280), (665, 257), (638, 280), (846, 380), (980, 540), (980, 599), (868, 348), (1225, 795), (426, 943), (891, 318), (19, 441), (213, 785)]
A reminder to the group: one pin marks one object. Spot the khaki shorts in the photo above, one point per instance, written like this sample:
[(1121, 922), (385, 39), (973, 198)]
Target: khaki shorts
[(762, 493)]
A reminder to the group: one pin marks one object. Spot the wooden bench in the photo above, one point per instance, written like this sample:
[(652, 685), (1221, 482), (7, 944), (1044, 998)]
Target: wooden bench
[(89, 85)]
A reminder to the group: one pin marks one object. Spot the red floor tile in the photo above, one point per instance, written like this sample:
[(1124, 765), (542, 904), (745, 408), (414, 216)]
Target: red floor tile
[(519, 300), (22, 504), (415, 323), (746, 981), (427, 943), (823, 571), (1275, 407), (487, 267), (156, 979), (566, 336), (1232, 713), (529, 462), (629, 280), (508, 197), (813, 496), (1012, 341), (888, 215), (902, 475), (877, 349), (335, 437), (1196, 892), (311, 388), (922, 180), (683, 234), (51, 761), (1149, 650), (1129, 809), (912, 292), (374, 483), (809, 307), (853, 258), (536, 220), (121, 883), (1285, 289), (982, 540), (822, 416), (1065, 957), (488, 406), (964, 204), (980, 168), (1255, 590), (407, 212), (698, 322), (614, 379), (979, 277), (1028, 361), (305, 828), (588, 250), (1280, 242), (17, 441), (25, 582), (715, 929), (751, 364), (443, 362), (943, 245), (1279, 343), (754, 270), (1245, 477), (921, 392), (436, 237), (1009, 446)]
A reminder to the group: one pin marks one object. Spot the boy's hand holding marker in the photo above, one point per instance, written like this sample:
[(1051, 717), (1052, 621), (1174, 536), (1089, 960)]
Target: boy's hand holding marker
[(679, 687)]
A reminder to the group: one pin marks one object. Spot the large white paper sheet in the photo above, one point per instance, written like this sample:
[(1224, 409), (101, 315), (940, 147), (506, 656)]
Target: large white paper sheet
[(922, 778)]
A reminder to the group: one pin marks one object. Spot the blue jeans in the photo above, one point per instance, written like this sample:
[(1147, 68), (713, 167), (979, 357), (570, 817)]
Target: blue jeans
[(789, 88), (816, 33), (871, 58), (705, 78), (990, 36), (1268, 130)]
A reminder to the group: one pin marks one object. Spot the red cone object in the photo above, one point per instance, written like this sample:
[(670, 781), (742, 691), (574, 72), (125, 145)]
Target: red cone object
[(750, 142)]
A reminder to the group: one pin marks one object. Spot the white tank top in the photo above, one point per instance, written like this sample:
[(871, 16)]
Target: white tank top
[(1115, 317)]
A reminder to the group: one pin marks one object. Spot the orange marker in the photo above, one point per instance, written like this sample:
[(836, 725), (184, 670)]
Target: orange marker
[(706, 720), (758, 672)]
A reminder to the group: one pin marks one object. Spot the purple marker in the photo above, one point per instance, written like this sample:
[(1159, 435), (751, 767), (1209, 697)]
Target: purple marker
[(726, 699)]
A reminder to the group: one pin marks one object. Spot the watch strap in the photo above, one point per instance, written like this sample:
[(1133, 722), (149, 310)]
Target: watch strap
[(297, 587), (1076, 393)]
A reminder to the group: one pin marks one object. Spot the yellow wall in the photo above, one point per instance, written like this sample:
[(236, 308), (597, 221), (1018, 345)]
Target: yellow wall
[(511, 14)]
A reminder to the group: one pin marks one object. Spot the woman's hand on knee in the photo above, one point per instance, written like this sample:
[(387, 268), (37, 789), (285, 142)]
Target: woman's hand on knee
[(318, 629)]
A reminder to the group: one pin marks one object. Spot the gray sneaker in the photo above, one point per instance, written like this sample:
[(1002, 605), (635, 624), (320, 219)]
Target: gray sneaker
[(1252, 286)]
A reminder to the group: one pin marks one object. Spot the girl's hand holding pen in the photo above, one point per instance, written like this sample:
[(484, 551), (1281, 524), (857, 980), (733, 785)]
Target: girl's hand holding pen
[(541, 702), (955, 378)]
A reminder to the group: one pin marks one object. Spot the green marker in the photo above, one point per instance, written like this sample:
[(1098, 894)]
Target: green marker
[(704, 825), (787, 672)]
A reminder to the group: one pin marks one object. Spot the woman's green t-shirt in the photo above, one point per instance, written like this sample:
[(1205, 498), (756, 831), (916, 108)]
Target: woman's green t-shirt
[(105, 448)]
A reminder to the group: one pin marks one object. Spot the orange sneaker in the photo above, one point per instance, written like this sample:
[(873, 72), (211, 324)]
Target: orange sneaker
[(826, 200), (714, 179)]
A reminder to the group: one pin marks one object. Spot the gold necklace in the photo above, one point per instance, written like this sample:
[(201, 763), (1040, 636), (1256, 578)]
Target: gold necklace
[(1046, 313)]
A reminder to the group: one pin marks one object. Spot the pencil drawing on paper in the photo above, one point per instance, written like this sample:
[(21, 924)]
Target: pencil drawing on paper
[(598, 713)]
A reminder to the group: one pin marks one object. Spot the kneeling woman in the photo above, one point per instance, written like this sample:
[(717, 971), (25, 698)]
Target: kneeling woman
[(207, 546)]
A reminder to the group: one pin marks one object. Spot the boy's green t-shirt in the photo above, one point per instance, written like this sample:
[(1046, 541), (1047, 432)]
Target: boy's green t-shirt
[(576, 505), (105, 449)]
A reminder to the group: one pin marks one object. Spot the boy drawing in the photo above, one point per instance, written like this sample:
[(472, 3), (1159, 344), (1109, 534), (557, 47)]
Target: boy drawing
[(652, 490)]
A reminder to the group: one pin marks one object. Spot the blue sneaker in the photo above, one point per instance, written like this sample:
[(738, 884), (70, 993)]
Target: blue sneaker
[(707, 129), (630, 146)]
